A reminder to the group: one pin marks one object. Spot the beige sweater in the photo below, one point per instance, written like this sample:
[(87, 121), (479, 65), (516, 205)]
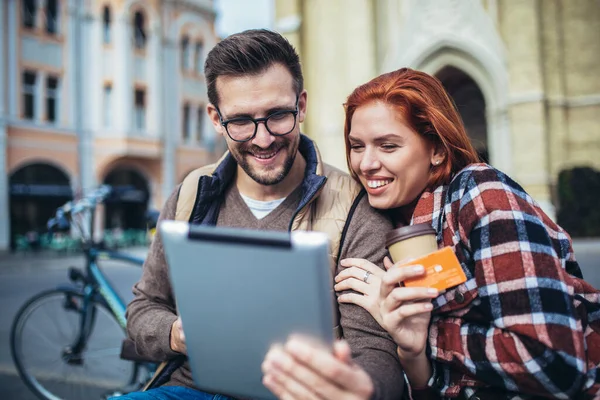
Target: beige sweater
[(152, 311)]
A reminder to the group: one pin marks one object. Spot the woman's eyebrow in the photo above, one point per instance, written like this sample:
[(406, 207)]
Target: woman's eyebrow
[(380, 139), (390, 137)]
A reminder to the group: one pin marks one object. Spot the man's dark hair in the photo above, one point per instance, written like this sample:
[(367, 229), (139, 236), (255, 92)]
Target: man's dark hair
[(250, 53)]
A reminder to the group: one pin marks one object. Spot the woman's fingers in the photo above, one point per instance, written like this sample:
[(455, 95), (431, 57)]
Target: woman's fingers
[(395, 276), (360, 264), (408, 310), (387, 263), (355, 298), (404, 294), (359, 274), (359, 286)]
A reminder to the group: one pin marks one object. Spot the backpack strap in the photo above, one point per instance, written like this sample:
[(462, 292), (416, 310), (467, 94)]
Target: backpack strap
[(357, 200), (188, 192)]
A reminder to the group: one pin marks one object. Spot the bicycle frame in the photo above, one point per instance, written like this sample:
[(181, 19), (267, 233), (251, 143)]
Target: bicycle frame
[(96, 283), (89, 295)]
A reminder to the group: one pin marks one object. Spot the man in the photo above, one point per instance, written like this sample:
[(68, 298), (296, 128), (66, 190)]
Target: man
[(271, 178)]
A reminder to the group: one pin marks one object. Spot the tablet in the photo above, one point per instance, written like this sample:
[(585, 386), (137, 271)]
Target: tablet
[(240, 291)]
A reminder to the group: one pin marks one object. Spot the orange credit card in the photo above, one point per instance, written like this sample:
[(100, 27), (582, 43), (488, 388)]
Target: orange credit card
[(442, 270)]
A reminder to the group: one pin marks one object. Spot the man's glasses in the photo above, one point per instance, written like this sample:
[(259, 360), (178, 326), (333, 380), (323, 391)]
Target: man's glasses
[(243, 129)]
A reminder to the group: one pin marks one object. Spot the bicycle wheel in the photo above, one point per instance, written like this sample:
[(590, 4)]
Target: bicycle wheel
[(44, 331)]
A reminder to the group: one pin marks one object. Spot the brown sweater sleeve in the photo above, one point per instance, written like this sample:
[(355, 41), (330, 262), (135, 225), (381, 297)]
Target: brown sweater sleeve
[(372, 348), (152, 310)]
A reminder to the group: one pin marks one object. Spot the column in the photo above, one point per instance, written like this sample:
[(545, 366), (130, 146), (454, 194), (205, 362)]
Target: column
[(499, 140), (153, 73), (171, 116), (354, 63), (71, 76), (4, 195), (527, 107), (81, 96), (123, 84), (13, 78), (2, 64), (94, 76)]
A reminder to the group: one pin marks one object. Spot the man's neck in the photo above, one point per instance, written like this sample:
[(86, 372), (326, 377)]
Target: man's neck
[(250, 188)]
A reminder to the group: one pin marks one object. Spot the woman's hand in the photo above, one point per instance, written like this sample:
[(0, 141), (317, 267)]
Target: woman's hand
[(301, 370), (405, 311), (363, 277)]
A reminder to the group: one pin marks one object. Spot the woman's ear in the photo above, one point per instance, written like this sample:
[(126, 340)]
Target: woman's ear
[(438, 155)]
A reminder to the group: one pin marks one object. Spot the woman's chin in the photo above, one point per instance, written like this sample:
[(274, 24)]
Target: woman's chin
[(381, 203)]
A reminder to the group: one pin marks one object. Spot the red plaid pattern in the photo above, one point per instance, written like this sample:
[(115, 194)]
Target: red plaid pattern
[(524, 324)]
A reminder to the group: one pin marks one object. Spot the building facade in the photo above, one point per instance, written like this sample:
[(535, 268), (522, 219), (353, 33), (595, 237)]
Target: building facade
[(523, 73), (100, 91)]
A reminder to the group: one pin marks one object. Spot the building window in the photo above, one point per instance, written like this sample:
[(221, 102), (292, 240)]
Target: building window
[(186, 123), (139, 31), (199, 57), (29, 79), (107, 106), (140, 109), (106, 25), (200, 124), (51, 98), (52, 16), (28, 11), (185, 53)]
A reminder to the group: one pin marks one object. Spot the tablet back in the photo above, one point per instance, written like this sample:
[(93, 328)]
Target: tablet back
[(240, 291)]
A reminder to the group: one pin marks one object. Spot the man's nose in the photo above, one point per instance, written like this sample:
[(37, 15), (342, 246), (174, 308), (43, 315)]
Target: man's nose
[(263, 138)]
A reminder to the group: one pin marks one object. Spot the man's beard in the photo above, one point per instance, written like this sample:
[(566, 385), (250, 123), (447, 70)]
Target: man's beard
[(265, 176)]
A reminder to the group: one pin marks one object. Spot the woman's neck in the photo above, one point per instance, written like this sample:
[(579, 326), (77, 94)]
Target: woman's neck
[(402, 216)]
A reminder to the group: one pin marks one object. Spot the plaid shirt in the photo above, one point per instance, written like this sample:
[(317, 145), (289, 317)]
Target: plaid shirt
[(522, 324)]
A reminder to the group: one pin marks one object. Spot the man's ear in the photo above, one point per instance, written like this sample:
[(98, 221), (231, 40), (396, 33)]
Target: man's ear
[(302, 106), (213, 114)]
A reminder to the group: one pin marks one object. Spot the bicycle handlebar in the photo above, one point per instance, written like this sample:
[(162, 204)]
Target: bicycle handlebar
[(61, 219)]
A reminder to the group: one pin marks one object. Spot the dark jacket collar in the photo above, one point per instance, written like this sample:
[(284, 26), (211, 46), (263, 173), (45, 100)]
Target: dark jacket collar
[(212, 188)]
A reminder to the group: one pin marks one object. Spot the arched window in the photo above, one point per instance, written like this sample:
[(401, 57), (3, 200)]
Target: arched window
[(106, 25), (52, 16), (185, 53), (28, 10), (199, 57), (470, 103), (139, 30)]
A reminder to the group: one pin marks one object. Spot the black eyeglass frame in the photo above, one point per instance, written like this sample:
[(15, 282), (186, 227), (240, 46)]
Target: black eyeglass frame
[(257, 121)]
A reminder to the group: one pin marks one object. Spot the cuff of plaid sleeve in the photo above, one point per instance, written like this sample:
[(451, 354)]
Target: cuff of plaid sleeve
[(426, 392), (435, 379)]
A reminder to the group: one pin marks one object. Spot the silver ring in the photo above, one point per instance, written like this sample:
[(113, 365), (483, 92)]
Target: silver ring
[(366, 277)]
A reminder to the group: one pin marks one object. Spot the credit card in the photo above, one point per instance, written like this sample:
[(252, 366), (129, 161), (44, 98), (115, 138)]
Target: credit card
[(442, 270)]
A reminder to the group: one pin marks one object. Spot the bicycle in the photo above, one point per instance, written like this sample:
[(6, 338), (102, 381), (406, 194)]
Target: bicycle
[(85, 361)]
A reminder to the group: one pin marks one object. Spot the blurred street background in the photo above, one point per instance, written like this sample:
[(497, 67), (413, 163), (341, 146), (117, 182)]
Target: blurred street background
[(113, 92)]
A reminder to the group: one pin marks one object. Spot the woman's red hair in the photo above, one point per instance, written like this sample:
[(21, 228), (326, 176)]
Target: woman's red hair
[(421, 100)]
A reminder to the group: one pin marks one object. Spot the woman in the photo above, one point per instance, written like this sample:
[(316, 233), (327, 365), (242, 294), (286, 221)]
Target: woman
[(523, 323)]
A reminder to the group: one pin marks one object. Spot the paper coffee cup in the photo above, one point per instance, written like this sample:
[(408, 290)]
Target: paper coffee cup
[(411, 241)]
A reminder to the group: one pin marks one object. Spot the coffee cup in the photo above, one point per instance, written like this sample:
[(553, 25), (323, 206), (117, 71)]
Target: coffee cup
[(412, 241)]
